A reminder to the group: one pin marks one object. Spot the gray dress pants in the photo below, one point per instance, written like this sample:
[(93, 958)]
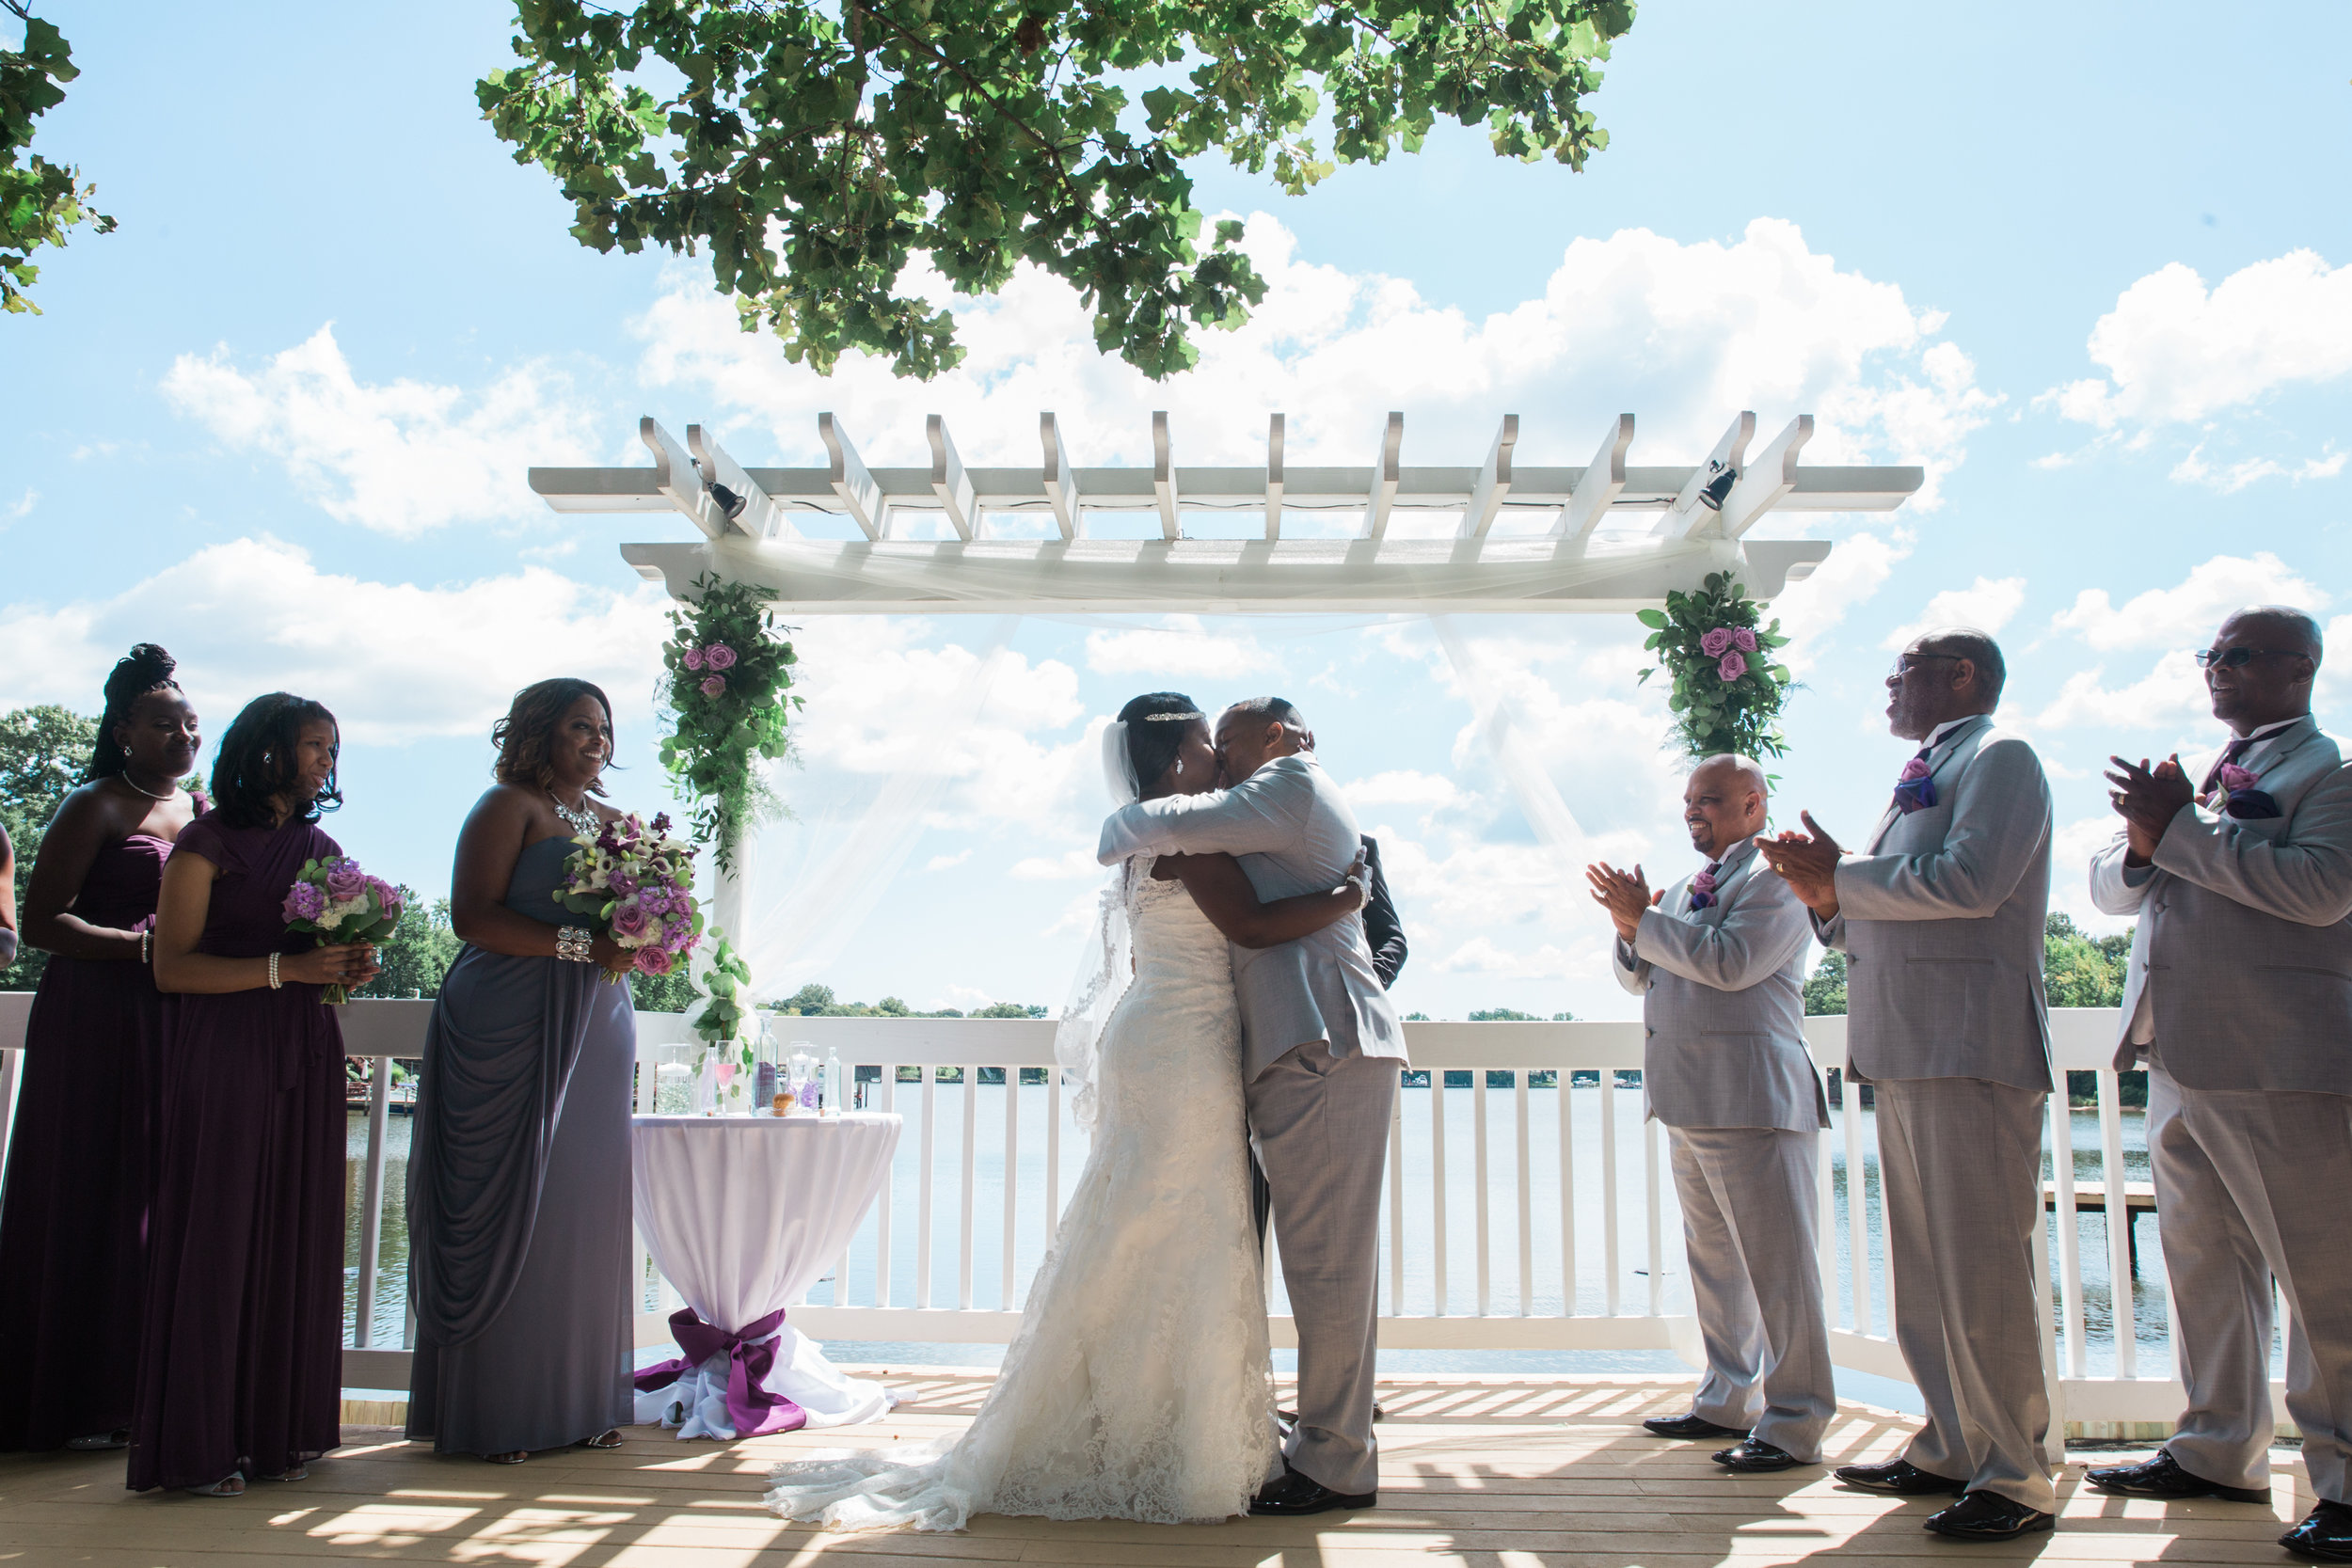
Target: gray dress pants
[(1961, 1160), (2250, 1184), (1320, 1128), (1749, 1213)]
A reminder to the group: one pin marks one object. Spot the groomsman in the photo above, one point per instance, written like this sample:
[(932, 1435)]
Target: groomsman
[(2240, 1002), (1718, 960), (1941, 920)]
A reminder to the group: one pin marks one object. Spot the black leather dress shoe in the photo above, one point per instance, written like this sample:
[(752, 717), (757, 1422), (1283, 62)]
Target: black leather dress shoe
[(1902, 1478), (1989, 1517), (2162, 1476), (2325, 1533), (1295, 1496), (1691, 1426), (1755, 1456)]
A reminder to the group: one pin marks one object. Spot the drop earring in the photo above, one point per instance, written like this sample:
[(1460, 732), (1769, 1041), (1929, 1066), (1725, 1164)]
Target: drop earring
[(1179, 767)]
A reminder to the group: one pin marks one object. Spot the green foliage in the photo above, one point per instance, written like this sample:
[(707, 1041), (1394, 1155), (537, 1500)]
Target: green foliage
[(417, 954), (43, 752), (39, 201), (818, 149), (1714, 712), (673, 993), (2081, 971), (814, 1001), (717, 734), (1825, 987), (722, 1017)]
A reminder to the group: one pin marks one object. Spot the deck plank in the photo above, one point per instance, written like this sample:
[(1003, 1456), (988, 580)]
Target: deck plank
[(1492, 1472)]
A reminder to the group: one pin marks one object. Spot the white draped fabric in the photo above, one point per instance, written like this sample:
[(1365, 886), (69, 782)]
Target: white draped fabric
[(743, 1214)]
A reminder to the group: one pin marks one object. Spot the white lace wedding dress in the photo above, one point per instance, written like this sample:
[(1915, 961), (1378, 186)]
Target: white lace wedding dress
[(1140, 1386)]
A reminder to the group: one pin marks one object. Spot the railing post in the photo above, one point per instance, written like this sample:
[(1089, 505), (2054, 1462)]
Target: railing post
[(2119, 1304), (1609, 1186), (372, 1200)]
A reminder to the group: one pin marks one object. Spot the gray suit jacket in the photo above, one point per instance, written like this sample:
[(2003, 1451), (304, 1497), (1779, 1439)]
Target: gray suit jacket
[(1722, 1003), (2243, 949), (1941, 921), (1293, 833)]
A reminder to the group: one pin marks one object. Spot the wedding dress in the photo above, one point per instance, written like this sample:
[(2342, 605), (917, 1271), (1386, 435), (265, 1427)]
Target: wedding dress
[(1139, 1384)]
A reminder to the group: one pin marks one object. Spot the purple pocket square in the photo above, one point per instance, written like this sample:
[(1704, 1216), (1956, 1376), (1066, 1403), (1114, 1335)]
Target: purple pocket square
[(1914, 795), (2251, 805)]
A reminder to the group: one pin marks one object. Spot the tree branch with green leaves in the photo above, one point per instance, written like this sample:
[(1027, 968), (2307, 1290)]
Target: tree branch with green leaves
[(816, 152), (41, 202)]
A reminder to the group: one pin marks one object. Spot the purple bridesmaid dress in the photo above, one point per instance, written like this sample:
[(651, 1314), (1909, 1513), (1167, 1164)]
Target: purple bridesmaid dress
[(240, 1354), (82, 1173)]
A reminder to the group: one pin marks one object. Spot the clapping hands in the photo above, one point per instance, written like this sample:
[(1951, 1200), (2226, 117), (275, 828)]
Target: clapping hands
[(2147, 799), (1624, 896), (1807, 861)]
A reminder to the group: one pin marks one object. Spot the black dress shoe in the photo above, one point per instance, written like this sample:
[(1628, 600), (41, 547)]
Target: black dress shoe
[(2162, 1476), (1902, 1478), (2325, 1533), (1755, 1456), (1989, 1517), (1691, 1426), (1295, 1496)]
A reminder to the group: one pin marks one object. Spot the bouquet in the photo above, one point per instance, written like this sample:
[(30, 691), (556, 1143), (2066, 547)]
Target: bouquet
[(337, 902), (634, 883)]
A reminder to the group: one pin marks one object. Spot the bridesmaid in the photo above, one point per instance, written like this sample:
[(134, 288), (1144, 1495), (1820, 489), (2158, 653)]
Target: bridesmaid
[(241, 1354), (518, 1165), (81, 1167)]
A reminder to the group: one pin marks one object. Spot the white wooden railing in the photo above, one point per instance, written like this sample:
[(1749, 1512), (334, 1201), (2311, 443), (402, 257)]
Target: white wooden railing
[(1573, 1250)]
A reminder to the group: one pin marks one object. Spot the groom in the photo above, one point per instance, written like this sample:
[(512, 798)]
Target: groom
[(1321, 1049)]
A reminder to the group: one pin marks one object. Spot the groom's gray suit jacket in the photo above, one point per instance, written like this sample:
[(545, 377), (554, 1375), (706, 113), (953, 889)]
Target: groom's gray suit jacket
[(1941, 921), (2243, 956), (1722, 1003), (1292, 833)]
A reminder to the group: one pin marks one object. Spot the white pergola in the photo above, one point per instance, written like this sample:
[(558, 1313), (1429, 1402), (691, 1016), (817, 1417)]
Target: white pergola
[(1607, 536)]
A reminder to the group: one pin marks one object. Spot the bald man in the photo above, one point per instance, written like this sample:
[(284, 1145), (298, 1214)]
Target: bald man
[(1718, 960), (2239, 1003)]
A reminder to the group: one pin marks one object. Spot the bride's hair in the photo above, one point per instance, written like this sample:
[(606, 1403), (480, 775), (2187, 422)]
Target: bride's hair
[(1152, 745)]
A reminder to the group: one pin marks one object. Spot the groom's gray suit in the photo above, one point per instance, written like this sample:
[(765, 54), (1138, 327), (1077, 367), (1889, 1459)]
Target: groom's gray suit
[(1941, 919), (1322, 1048), (2240, 1002), (1725, 1066)]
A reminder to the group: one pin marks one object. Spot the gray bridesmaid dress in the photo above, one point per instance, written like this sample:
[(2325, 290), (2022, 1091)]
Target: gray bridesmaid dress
[(518, 1196)]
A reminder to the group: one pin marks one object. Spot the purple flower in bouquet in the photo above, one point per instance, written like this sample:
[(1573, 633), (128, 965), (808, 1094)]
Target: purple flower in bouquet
[(304, 901), (1743, 638), (345, 879), (693, 659), (628, 919), (661, 823), (713, 685), (1732, 667), (1715, 644), (654, 961), (718, 656), (622, 884), (387, 896)]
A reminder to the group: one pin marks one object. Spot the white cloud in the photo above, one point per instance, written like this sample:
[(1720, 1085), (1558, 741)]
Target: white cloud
[(1078, 862), (2176, 352), (2187, 615), (402, 457), (1686, 335), (395, 662), (941, 862), (2172, 693), (1179, 646), (2194, 469), (1402, 787), (23, 506), (1482, 956), (1858, 566), (2071, 848), (1986, 603)]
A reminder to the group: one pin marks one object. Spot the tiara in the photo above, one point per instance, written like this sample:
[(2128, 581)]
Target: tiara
[(1156, 718)]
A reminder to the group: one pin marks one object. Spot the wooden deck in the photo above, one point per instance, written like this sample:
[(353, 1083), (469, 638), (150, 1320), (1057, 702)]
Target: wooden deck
[(1493, 1471)]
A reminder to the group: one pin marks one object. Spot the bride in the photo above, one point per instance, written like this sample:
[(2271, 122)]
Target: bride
[(1139, 1384)]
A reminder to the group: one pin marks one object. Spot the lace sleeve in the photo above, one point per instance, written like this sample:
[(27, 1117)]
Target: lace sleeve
[(1104, 968)]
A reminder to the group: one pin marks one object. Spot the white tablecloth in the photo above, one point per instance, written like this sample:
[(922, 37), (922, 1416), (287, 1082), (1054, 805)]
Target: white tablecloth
[(743, 1214)]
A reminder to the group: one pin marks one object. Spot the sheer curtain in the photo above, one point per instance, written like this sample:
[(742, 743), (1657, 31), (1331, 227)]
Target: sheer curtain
[(1503, 731)]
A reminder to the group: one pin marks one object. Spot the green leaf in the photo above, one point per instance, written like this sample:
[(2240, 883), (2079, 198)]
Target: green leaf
[(1653, 617)]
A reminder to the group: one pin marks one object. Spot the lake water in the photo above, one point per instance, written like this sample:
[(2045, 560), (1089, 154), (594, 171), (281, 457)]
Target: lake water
[(1587, 1117)]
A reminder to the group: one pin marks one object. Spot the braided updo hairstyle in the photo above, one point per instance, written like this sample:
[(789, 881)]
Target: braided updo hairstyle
[(1156, 731), (146, 668)]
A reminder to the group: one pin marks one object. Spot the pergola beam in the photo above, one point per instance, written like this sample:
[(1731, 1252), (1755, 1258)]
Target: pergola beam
[(760, 516), (852, 479), (949, 482), (1597, 489), (1274, 477), (1494, 481), (1164, 488), (1691, 514), (1380, 490), (1058, 479)]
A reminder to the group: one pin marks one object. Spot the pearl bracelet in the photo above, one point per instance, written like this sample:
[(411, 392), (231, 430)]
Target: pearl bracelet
[(576, 944), (147, 946), (275, 984)]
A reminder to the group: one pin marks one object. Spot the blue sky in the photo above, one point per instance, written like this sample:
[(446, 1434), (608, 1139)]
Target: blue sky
[(2080, 262)]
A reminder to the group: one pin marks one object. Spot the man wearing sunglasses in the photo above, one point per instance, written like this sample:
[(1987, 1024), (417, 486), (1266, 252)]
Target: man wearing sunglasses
[(2240, 1005), (1941, 919)]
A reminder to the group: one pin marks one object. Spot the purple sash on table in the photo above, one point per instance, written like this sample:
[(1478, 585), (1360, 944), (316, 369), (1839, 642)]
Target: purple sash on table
[(750, 1356)]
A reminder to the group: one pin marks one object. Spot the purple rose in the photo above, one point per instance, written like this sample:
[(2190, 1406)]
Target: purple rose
[(718, 656), (1915, 770), (2235, 778), (1703, 881), (713, 685), (1743, 638), (653, 960), (1716, 643), (304, 901), (693, 659), (345, 879), (1732, 667), (628, 920)]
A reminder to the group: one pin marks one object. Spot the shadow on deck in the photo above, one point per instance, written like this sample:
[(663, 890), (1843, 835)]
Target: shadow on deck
[(1495, 1471)]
